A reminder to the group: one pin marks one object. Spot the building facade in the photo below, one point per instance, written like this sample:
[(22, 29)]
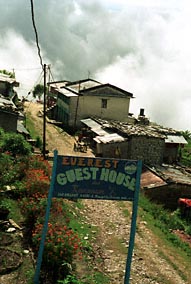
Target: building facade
[(81, 99)]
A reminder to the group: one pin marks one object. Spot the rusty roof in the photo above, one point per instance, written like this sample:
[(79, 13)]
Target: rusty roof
[(172, 173), (150, 179), (165, 174)]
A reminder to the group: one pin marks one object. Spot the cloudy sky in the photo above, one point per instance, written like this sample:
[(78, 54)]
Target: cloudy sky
[(142, 46)]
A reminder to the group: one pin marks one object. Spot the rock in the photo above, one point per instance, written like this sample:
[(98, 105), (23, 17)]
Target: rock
[(14, 224), (11, 230)]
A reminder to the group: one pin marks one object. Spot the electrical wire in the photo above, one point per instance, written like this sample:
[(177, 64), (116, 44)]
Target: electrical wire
[(37, 81), (36, 33)]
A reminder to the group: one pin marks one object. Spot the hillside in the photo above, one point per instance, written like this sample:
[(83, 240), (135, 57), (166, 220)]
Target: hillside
[(154, 260)]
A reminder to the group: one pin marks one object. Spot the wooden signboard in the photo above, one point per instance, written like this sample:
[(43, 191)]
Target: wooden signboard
[(94, 178)]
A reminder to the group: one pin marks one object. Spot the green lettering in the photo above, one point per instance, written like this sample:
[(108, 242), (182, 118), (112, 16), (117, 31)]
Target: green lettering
[(120, 178), (87, 174), (104, 174), (94, 172), (112, 176), (126, 182), (71, 177), (78, 173), (61, 179)]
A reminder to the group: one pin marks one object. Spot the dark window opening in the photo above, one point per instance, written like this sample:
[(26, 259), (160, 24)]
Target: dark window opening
[(104, 103)]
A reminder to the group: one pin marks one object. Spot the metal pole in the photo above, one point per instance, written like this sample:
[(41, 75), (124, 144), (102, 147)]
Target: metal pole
[(44, 115), (45, 227), (133, 224)]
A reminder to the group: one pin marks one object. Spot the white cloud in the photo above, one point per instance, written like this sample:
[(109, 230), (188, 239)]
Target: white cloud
[(141, 46), (20, 56)]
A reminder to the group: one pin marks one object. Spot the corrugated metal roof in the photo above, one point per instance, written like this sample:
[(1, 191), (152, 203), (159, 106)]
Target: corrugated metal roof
[(21, 128), (150, 179), (172, 173), (175, 139), (6, 78), (91, 123), (4, 101), (66, 92), (99, 131), (83, 84), (95, 127), (109, 138), (58, 85)]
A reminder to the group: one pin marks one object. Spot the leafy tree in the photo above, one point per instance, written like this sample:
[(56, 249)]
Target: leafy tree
[(38, 91), (186, 134), (15, 144), (10, 74)]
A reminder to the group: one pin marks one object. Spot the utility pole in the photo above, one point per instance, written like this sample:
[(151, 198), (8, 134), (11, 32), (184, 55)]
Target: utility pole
[(44, 116)]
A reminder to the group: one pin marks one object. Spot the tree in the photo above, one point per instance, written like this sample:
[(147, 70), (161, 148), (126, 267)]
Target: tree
[(186, 134), (38, 91), (10, 74), (15, 144)]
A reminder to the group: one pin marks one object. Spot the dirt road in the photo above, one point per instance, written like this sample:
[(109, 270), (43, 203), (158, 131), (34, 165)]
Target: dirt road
[(153, 262), (56, 138)]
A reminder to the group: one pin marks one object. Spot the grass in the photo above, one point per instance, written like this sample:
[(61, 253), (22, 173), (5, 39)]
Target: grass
[(162, 222), (31, 127), (14, 209), (122, 205), (186, 154), (32, 130), (170, 247)]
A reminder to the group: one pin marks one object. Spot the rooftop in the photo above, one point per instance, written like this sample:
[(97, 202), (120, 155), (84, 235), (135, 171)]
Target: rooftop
[(165, 174), (6, 78), (151, 130)]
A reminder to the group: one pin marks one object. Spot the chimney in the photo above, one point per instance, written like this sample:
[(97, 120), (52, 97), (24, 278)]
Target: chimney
[(142, 119), (142, 112)]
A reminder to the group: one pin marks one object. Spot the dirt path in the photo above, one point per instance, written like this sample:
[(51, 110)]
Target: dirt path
[(148, 266), (55, 137), (152, 263)]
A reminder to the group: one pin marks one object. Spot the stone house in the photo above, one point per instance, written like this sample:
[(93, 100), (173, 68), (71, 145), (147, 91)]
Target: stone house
[(166, 184), (82, 99), (139, 141), (11, 119), (8, 115), (7, 85)]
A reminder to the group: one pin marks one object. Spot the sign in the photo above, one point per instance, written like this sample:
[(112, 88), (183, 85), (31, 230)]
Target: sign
[(94, 178)]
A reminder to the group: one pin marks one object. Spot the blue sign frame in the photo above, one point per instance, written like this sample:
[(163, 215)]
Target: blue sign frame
[(94, 178)]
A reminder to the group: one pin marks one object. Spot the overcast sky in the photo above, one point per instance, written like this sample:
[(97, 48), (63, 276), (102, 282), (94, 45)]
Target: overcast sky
[(142, 46)]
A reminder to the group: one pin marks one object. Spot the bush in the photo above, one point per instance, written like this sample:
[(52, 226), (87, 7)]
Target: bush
[(16, 145), (11, 170), (62, 244)]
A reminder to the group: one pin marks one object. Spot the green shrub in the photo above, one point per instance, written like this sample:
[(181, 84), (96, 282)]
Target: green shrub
[(38, 142), (70, 279), (11, 170), (15, 144)]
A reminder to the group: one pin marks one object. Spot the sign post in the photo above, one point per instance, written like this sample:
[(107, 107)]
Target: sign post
[(45, 227), (133, 225), (94, 178)]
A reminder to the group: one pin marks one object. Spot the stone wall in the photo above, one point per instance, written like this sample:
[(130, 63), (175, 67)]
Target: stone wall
[(8, 120), (169, 194), (109, 150), (148, 149)]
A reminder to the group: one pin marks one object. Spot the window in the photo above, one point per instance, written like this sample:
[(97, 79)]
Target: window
[(104, 103)]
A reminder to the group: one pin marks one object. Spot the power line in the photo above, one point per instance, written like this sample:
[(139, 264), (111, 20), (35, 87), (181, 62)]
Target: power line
[(37, 81), (36, 33), (27, 69)]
